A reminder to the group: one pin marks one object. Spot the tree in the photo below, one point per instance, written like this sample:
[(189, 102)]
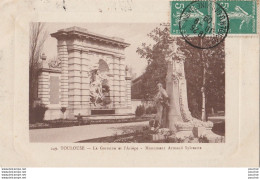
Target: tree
[(205, 74), (155, 55), (38, 35), (204, 69), (213, 78)]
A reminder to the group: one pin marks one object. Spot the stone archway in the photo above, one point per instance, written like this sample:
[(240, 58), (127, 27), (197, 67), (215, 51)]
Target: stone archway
[(83, 56)]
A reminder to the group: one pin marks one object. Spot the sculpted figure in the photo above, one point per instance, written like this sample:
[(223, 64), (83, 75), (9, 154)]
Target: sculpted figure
[(96, 86), (162, 103), (98, 83), (99, 87)]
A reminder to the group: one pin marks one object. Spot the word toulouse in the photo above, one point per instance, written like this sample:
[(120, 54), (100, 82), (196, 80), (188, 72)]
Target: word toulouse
[(72, 148)]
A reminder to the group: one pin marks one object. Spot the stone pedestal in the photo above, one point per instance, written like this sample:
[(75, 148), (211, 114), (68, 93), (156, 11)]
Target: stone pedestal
[(212, 137), (160, 135), (198, 131), (157, 137)]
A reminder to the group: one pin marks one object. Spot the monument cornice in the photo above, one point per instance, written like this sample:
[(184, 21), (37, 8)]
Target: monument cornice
[(50, 70), (94, 50), (119, 56), (77, 32)]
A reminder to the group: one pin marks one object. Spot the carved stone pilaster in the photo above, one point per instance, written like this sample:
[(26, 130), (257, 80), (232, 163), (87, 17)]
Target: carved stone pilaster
[(63, 56), (85, 80), (128, 88), (43, 87)]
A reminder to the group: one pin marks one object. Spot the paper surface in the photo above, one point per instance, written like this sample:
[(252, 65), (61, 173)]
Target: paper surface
[(241, 146)]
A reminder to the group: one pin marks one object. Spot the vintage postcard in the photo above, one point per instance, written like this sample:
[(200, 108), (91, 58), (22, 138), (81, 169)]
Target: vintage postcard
[(130, 83)]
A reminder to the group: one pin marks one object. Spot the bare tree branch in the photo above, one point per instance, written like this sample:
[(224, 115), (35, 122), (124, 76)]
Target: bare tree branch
[(38, 35)]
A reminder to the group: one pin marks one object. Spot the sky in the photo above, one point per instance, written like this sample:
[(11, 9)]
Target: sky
[(133, 33)]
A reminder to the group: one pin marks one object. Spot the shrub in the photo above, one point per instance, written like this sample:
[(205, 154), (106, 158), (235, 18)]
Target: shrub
[(63, 109), (151, 110), (203, 139), (153, 123), (148, 110), (38, 113), (140, 110), (154, 110)]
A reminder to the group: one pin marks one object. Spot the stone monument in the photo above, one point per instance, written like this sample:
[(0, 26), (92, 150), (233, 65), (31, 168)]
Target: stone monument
[(90, 77), (180, 120)]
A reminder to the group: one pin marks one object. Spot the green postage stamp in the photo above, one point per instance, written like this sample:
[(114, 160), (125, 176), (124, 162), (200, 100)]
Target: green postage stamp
[(206, 17)]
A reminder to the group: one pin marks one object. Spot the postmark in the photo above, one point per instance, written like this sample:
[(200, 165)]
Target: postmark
[(206, 20)]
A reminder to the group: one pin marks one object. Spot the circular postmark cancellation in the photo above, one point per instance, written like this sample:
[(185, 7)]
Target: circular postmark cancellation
[(206, 21)]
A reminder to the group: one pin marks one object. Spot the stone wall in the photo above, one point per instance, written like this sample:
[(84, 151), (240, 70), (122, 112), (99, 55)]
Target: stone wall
[(50, 90)]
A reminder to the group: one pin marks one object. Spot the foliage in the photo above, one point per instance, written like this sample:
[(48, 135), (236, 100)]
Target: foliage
[(196, 60), (63, 109), (151, 110), (173, 140), (153, 123), (37, 113), (58, 123), (155, 56), (140, 110), (203, 139), (213, 62)]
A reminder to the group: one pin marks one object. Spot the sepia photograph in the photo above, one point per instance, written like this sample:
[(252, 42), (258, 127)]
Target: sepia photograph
[(129, 83), (123, 83)]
